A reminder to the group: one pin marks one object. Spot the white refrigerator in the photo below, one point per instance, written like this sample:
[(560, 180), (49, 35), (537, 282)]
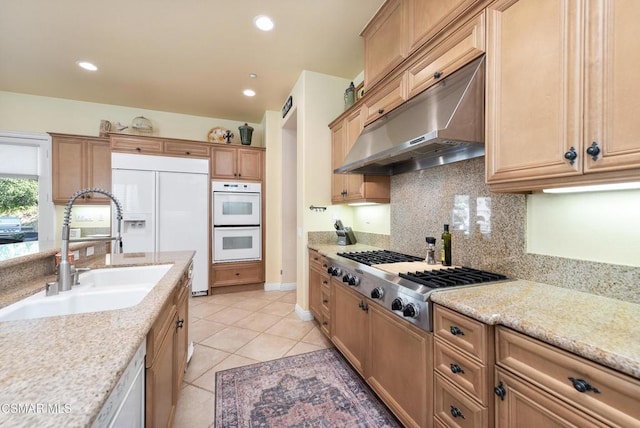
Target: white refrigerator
[(165, 207)]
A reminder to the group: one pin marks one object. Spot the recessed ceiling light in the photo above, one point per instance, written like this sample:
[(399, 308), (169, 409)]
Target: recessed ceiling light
[(249, 92), (263, 22), (86, 65), (253, 75)]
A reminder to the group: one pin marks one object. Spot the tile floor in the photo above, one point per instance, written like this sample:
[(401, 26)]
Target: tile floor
[(236, 329)]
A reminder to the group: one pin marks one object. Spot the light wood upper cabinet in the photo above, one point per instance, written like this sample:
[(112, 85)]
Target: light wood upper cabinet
[(78, 163), (385, 98), (237, 163), (558, 81), (353, 187), (385, 41), (464, 45), (428, 17)]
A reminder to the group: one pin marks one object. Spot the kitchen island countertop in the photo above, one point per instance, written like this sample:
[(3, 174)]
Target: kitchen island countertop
[(598, 328), (59, 371)]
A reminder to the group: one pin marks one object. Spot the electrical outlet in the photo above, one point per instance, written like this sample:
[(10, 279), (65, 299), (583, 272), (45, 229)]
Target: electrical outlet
[(76, 255), (90, 251)]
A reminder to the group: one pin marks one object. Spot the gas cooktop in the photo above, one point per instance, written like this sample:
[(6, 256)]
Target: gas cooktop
[(404, 294)]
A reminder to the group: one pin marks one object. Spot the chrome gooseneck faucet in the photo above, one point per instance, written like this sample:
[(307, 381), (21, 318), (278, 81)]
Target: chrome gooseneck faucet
[(65, 280)]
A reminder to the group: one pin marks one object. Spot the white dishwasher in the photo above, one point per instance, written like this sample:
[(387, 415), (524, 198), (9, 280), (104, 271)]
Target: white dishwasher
[(125, 406)]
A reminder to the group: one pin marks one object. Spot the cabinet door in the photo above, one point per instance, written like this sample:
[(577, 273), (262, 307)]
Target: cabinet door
[(349, 324), (315, 284), (466, 44), (223, 162), (182, 339), (534, 86), (98, 160), (249, 164), (385, 42), (408, 381), (354, 182), (67, 167), (338, 181), (612, 102), (428, 17), (160, 404), (524, 405), (385, 98)]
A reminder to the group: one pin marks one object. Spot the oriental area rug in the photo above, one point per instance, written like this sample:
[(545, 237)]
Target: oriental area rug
[(316, 390)]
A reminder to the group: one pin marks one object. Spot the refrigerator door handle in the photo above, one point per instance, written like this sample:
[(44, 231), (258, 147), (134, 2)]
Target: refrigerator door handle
[(156, 214)]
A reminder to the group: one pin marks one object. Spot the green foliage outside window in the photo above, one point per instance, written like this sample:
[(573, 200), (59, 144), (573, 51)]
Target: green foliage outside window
[(17, 195)]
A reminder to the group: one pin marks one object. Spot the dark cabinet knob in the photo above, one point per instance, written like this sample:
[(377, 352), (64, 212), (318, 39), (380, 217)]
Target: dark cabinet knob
[(437, 75), (593, 151), (456, 369), (179, 324), (500, 391), (456, 331), (380, 111), (456, 413), (582, 385), (325, 323), (571, 155), (187, 153), (138, 149), (325, 301), (324, 281)]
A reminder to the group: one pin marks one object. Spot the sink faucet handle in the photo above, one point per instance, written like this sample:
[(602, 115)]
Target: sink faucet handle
[(51, 288), (76, 273)]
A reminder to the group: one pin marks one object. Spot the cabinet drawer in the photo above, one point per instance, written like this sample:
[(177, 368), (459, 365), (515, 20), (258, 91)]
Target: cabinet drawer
[(317, 261), (461, 370), (463, 46), (233, 274), (386, 98), (550, 368), (325, 294), (186, 149), (463, 332), (453, 408), (122, 144), (325, 322)]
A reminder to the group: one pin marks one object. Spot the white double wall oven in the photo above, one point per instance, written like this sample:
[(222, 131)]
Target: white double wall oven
[(237, 218)]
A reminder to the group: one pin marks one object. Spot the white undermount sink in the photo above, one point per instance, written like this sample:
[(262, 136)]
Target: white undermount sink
[(99, 290)]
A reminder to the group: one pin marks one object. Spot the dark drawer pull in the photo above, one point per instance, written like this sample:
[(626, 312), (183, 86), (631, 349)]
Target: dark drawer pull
[(500, 391), (456, 369), (582, 385), (456, 331), (437, 74), (456, 413), (325, 301)]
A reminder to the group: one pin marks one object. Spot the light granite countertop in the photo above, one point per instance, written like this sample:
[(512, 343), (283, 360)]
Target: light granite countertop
[(74, 361), (598, 328)]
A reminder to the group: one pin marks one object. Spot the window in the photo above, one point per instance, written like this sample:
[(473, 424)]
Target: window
[(26, 210)]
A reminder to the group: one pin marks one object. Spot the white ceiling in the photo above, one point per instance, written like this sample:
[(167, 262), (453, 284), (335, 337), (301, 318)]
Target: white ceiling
[(188, 56)]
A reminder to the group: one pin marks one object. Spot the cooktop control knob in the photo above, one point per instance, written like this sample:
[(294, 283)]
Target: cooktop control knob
[(346, 277), (334, 271), (410, 311), (397, 304), (377, 293), (354, 281)]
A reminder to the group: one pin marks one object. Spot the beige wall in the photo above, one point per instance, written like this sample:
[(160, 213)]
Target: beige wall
[(598, 226), (30, 113), (271, 124)]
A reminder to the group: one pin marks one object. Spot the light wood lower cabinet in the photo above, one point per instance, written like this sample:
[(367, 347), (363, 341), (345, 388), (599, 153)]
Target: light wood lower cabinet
[(236, 273), (392, 355), (463, 364), (319, 290), (534, 374), (166, 358), (399, 367)]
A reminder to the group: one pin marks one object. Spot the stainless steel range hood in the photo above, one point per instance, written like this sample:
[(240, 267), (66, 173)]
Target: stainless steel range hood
[(442, 125)]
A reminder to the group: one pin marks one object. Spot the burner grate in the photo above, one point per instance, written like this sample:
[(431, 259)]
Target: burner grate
[(452, 277), (379, 257)]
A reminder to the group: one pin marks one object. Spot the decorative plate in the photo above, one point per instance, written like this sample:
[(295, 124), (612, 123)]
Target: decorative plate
[(216, 134)]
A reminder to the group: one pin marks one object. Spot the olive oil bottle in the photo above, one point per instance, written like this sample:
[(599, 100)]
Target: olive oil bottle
[(445, 252)]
